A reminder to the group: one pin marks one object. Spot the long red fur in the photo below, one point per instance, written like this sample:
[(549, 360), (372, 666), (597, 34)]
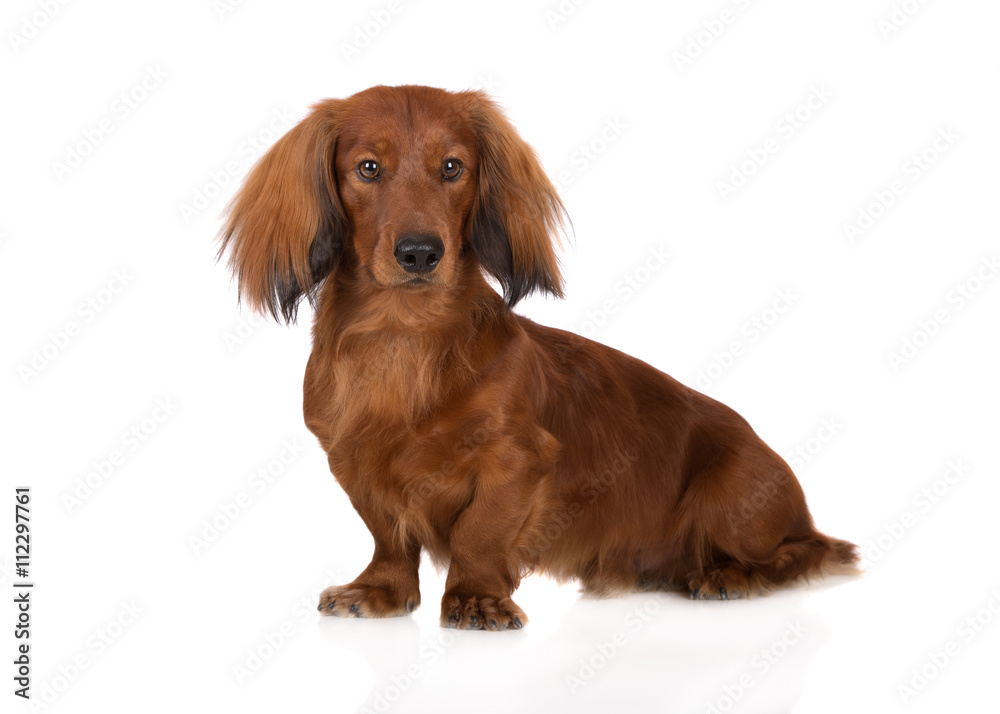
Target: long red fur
[(462, 429)]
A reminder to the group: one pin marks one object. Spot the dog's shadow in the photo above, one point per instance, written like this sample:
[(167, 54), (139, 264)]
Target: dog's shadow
[(600, 655)]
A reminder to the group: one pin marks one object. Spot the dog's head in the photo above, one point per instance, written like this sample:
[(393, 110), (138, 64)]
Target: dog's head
[(402, 184)]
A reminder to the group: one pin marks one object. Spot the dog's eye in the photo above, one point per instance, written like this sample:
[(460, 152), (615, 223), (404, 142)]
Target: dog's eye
[(451, 168), (368, 170)]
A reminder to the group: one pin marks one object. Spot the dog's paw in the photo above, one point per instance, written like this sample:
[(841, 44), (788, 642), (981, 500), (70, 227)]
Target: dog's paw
[(479, 612), (724, 583), (357, 600)]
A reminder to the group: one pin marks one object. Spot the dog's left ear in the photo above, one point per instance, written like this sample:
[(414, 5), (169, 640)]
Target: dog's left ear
[(517, 213), (286, 226)]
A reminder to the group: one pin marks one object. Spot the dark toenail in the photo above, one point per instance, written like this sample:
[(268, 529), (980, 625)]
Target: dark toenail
[(412, 606), (517, 621), (473, 619), (694, 594), (722, 593), (330, 606), (355, 608), (320, 607), (493, 623)]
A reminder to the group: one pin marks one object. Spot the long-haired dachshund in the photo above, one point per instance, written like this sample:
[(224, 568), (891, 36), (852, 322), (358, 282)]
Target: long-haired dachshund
[(456, 426)]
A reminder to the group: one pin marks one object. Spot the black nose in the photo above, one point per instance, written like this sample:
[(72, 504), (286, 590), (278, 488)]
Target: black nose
[(419, 254)]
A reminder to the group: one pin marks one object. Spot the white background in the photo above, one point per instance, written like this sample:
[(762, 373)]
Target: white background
[(130, 614)]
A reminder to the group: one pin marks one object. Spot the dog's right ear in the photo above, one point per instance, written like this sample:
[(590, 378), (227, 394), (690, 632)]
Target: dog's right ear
[(285, 228)]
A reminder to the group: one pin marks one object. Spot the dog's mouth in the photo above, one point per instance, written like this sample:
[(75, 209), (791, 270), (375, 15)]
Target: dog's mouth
[(391, 280)]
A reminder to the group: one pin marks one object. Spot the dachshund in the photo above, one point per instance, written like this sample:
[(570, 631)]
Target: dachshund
[(455, 425)]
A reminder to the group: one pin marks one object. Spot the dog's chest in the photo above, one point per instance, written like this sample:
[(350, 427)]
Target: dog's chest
[(371, 384), (388, 378)]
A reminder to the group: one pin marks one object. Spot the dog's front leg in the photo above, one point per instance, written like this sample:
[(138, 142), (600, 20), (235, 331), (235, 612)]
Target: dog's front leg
[(484, 570), (389, 586)]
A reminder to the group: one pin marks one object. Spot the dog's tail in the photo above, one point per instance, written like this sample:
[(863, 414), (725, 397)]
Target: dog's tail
[(815, 555)]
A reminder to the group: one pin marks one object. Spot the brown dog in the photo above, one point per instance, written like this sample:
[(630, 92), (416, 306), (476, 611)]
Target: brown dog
[(456, 426)]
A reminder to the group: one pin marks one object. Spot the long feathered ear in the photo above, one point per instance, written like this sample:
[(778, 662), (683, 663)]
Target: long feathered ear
[(517, 212), (286, 227)]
